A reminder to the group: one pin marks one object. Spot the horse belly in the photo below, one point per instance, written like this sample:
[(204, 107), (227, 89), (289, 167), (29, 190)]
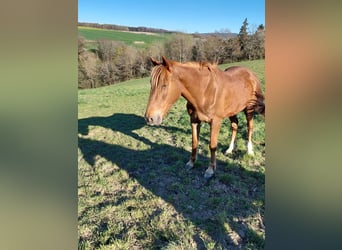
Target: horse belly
[(233, 109), (236, 101)]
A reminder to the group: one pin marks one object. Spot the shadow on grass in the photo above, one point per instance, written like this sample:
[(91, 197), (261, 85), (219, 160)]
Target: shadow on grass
[(218, 207)]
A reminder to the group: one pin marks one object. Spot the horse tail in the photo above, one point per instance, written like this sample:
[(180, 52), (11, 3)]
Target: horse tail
[(256, 104), (259, 103)]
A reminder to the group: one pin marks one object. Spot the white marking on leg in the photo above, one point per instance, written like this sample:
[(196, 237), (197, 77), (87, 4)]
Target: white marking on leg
[(250, 148), (230, 149)]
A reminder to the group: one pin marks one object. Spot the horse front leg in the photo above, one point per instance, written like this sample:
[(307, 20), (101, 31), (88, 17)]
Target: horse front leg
[(195, 128), (214, 132)]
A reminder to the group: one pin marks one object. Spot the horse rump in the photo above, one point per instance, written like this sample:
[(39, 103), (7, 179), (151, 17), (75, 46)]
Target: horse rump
[(257, 104)]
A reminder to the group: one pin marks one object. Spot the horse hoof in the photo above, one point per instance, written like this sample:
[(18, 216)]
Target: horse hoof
[(251, 153), (208, 173), (189, 165)]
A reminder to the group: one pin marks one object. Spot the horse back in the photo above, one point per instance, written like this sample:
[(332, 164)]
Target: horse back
[(246, 75), (242, 89)]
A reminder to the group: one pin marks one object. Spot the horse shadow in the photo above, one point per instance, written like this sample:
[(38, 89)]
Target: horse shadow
[(171, 182)]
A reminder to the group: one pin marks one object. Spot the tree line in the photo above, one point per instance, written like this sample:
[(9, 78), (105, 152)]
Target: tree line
[(113, 61)]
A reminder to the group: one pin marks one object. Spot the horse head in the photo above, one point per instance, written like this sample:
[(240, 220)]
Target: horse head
[(164, 91)]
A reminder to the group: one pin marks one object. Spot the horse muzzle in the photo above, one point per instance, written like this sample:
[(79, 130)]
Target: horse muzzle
[(155, 119)]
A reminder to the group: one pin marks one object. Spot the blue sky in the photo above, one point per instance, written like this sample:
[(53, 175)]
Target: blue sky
[(177, 15)]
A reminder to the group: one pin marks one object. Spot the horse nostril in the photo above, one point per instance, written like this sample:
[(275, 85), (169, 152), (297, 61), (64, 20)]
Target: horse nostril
[(153, 119), (149, 119)]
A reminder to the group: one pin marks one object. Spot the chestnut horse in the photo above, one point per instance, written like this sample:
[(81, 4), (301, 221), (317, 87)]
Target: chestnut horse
[(212, 95)]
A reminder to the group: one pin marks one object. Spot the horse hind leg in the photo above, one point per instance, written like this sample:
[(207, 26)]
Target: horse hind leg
[(234, 125), (250, 124)]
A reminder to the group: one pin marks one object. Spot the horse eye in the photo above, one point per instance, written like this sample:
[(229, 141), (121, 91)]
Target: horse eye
[(164, 86)]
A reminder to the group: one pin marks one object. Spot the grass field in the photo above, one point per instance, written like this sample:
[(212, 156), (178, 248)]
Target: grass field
[(133, 189), (140, 40)]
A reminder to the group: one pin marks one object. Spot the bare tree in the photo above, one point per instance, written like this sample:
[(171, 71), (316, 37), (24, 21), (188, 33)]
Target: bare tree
[(179, 47), (156, 50), (214, 49), (81, 45)]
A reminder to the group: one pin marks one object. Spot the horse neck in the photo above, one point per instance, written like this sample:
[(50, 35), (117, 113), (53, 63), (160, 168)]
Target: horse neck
[(193, 84)]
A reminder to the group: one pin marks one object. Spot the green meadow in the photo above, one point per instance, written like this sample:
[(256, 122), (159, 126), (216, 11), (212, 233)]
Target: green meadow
[(134, 191), (140, 40)]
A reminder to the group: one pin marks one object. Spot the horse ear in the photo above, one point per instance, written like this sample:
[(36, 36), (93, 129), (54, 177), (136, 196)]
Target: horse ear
[(155, 62), (166, 63)]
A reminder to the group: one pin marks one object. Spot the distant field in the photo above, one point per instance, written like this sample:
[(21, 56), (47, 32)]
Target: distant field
[(129, 38), (133, 189)]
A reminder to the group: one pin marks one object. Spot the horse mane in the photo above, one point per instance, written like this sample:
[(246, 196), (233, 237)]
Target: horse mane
[(159, 72), (201, 65)]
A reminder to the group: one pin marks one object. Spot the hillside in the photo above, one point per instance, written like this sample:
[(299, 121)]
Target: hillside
[(131, 38), (123, 28), (136, 36), (107, 56)]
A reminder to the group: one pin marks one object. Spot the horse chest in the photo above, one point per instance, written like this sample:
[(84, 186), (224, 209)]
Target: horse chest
[(197, 113), (204, 115)]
